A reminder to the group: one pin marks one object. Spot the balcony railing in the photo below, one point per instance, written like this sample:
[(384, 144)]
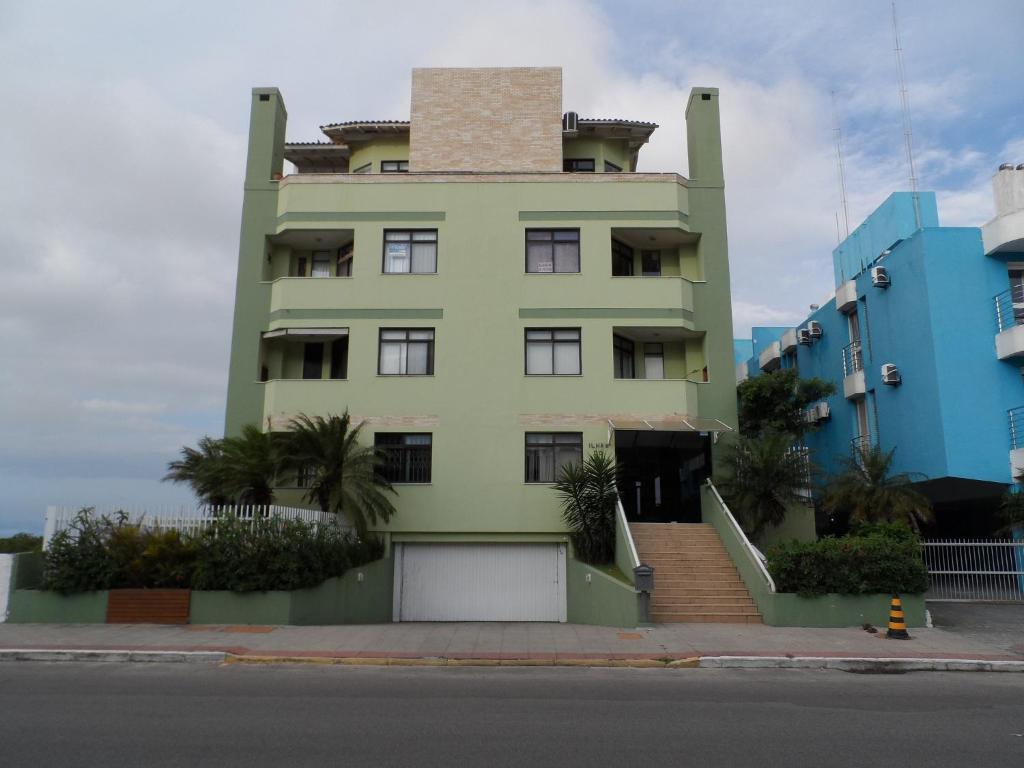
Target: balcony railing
[(853, 358), (861, 445), (1016, 416), (1009, 308)]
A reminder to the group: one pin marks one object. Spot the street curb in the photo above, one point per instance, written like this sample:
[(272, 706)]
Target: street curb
[(861, 664), (186, 657), (858, 664)]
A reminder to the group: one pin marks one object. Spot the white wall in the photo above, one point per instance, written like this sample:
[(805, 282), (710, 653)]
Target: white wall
[(6, 572)]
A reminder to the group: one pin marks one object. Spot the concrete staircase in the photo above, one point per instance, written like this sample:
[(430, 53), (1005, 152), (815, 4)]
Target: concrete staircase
[(694, 577)]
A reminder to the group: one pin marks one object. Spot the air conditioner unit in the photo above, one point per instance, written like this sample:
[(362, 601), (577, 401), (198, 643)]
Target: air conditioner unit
[(570, 122), (814, 328), (891, 375), (880, 277), (803, 336), (822, 412)]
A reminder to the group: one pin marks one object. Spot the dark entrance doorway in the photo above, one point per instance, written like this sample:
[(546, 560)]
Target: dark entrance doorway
[(662, 473)]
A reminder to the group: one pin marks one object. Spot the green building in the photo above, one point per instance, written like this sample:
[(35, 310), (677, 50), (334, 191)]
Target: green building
[(493, 290)]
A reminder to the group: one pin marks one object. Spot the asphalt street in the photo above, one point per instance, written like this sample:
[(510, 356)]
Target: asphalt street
[(195, 715)]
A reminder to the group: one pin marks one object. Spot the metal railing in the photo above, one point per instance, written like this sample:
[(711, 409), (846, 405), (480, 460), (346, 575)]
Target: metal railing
[(853, 358), (860, 445), (623, 526), (1009, 307), (1016, 417), (965, 570), (184, 519), (755, 554)]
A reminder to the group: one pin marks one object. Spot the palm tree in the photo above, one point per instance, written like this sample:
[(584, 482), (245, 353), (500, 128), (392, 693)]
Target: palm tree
[(867, 491), (766, 475), (231, 470), (588, 494), (345, 476), (201, 468), (250, 466)]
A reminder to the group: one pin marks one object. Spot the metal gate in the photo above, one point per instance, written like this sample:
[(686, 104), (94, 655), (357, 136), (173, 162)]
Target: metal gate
[(964, 570)]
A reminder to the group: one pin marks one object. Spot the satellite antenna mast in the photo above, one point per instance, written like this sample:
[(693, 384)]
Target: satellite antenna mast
[(838, 134), (908, 130)]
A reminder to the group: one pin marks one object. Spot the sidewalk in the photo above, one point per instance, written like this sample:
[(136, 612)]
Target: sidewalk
[(541, 643)]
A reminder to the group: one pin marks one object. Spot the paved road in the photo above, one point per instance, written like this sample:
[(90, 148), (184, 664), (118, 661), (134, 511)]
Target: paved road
[(161, 715)]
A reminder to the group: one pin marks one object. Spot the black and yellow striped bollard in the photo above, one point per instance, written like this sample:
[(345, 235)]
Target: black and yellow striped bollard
[(897, 621)]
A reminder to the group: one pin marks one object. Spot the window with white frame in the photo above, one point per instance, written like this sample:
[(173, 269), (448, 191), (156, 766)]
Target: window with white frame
[(410, 251), (548, 452), (552, 250), (406, 352), (553, 352)]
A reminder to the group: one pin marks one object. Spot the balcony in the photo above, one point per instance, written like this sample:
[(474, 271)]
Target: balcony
[(846, 297), (1016, 420), (770, 358), (854, 385), (1009, 306)]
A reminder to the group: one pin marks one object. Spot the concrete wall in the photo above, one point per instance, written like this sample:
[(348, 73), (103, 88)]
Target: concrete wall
[(603, 600), (6, 583)]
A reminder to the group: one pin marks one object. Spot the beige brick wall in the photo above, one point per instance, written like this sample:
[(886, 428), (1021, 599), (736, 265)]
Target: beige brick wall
[(486, 120)]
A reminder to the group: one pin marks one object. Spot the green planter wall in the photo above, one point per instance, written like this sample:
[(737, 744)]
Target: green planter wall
[(604, 600), (345, 600)]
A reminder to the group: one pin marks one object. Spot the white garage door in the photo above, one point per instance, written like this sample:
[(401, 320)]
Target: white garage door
[(480, 582)]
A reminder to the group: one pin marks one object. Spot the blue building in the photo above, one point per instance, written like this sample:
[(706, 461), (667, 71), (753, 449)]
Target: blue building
[(924, 340)]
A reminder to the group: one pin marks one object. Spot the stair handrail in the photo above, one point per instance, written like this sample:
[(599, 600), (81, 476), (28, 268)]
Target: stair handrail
[(754, 552), (620, 513)]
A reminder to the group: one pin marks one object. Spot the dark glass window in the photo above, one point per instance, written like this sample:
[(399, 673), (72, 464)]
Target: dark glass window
[(410, 251), (345, 260), (394, 166), (622, 259), (548, 452), (553, 352), (552, 250), (578, 164), (406, 457), (313, 360), (303, 476), (611, 167), (650, 262), (623, 354), (406, 352), (339, 358)]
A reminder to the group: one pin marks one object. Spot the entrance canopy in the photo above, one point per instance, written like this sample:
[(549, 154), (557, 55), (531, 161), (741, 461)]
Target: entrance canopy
[(306, 334), (669, 424)]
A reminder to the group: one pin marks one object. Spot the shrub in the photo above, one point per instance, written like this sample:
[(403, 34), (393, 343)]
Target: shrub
[(20, 542), (873, 559), (588, 495), (104, 552)]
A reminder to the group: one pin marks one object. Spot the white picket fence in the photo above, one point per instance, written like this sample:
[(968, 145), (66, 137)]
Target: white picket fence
[(185, 519)]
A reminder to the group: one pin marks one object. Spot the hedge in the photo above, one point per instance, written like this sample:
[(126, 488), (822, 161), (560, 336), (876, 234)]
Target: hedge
[(264, 554), (872, 559)]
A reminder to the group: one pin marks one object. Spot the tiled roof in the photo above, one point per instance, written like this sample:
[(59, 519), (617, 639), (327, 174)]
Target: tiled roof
[(354, 123), (617, 121)]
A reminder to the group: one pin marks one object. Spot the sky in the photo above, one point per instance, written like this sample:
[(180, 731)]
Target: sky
[(125, 127)]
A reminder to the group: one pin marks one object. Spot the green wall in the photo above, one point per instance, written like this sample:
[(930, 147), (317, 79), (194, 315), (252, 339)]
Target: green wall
[(791, 610), (34, 606), (798, 524), (479, 402), (604, 600)]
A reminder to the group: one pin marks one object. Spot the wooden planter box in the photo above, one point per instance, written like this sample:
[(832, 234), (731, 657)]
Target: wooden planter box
[(148, 606)]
